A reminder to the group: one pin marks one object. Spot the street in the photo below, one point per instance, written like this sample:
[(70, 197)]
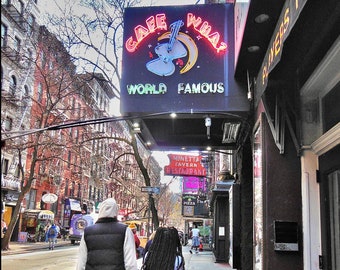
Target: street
[(65, 258), (61, 258)]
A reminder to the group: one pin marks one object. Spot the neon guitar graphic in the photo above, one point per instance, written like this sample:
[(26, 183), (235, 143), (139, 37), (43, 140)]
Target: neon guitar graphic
[(174, 49)]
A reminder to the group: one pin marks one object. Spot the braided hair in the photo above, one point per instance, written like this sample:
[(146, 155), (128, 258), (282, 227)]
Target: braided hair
[(163, 252)]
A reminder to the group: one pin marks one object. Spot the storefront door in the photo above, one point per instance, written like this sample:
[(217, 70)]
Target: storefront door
[(330, 205)]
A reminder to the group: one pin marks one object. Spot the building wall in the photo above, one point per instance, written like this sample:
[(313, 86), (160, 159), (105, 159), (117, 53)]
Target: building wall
[(282, 199), (246, 194)]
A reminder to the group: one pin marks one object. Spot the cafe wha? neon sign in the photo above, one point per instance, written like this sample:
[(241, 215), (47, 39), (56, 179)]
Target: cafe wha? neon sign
[(159, 22)]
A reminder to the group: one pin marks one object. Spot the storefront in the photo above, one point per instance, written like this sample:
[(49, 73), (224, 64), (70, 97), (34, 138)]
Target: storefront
[(34, 219), (296, 143), (10, 189)]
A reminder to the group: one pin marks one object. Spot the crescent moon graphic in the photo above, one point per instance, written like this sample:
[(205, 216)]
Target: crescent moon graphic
[(191, 47)]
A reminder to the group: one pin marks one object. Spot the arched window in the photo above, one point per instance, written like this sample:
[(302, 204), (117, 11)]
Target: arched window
[(26, 91), (13, 84)]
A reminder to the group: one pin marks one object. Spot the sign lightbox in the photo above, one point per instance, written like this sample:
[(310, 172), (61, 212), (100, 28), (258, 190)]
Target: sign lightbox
[(179, 58)]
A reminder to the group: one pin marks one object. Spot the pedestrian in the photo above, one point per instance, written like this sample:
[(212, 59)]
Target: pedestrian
[(195, 239), (3, 228), (52, 236), (41, 232), (48, 225), (200, 247), (165, 252), (133, 228), (148, 243), (107, 244)]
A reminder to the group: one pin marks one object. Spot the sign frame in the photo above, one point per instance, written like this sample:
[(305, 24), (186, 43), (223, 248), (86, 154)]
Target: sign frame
[(149, 189)]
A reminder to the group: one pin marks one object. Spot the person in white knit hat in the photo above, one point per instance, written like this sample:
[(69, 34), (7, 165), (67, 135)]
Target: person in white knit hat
[(108, 244)]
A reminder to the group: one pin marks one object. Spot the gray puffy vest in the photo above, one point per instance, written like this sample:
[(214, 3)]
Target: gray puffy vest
[(105, 245)]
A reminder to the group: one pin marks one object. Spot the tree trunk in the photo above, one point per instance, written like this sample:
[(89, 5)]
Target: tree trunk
[(24, 189), (147, 180), (6, 240)]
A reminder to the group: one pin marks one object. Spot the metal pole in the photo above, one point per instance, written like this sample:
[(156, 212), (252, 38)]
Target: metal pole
[(148, 227)]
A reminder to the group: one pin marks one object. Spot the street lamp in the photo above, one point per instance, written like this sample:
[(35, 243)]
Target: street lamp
[(149, 208)]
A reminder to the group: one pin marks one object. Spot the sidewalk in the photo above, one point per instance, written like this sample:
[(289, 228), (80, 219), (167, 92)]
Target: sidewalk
[(18, 247), (203, 260)]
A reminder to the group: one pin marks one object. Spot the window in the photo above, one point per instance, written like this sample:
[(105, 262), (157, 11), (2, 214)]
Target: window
[(66, 187), (26, 91), (72, 189), (13, 84), (4, 166), (17, 172), (19, 6), (30, 24), (79, 109), (8, 123), (69, 159), (3, 35), (99, 195), (90, 192), (27, 60), (40, 92), (17, 44), (43, 167), (43, 59), (77, 135), (30, 199)]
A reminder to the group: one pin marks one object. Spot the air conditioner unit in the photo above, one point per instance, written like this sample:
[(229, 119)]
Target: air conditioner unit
[(230, 131)]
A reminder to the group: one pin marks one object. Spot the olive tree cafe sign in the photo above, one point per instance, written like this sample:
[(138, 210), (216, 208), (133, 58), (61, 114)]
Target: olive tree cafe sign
[(182, 165), (289, 15), (175, 57)]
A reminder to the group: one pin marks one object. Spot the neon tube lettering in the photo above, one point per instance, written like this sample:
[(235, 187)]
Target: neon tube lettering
[(205, 30), (153, 23)]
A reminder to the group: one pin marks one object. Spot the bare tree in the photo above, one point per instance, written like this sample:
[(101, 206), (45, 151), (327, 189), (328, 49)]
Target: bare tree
[(132, 143), (92, 32), (50, 105)]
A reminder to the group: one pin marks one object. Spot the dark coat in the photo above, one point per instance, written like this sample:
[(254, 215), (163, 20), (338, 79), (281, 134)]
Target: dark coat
[(105, 245)]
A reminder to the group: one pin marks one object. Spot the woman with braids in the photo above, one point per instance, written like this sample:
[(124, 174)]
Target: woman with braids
[(165, 251)]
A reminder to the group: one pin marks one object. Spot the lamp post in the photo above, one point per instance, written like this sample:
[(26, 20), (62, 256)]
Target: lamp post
[(149, 208), (150, 191)]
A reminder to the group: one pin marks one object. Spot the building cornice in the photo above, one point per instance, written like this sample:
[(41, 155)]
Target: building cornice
[(327, 141)]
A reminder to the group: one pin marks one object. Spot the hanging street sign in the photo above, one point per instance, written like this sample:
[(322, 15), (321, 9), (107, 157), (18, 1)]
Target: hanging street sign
[(151, 189), (49, 198)]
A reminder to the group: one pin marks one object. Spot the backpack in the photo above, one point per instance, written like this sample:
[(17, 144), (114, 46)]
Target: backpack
[(52, 231)]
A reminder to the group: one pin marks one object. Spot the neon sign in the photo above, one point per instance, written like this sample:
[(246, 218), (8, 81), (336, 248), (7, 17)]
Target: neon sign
[(153, 23), (179, 58), (276, 46), (158, 22), (182, 88), (204, 29), (185, 165)]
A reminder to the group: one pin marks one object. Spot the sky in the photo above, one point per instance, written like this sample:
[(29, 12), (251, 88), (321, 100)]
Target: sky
[(49, 5), (161, 157)]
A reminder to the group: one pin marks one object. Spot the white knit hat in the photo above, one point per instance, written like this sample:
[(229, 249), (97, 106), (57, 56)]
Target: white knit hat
[(108, 208)]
